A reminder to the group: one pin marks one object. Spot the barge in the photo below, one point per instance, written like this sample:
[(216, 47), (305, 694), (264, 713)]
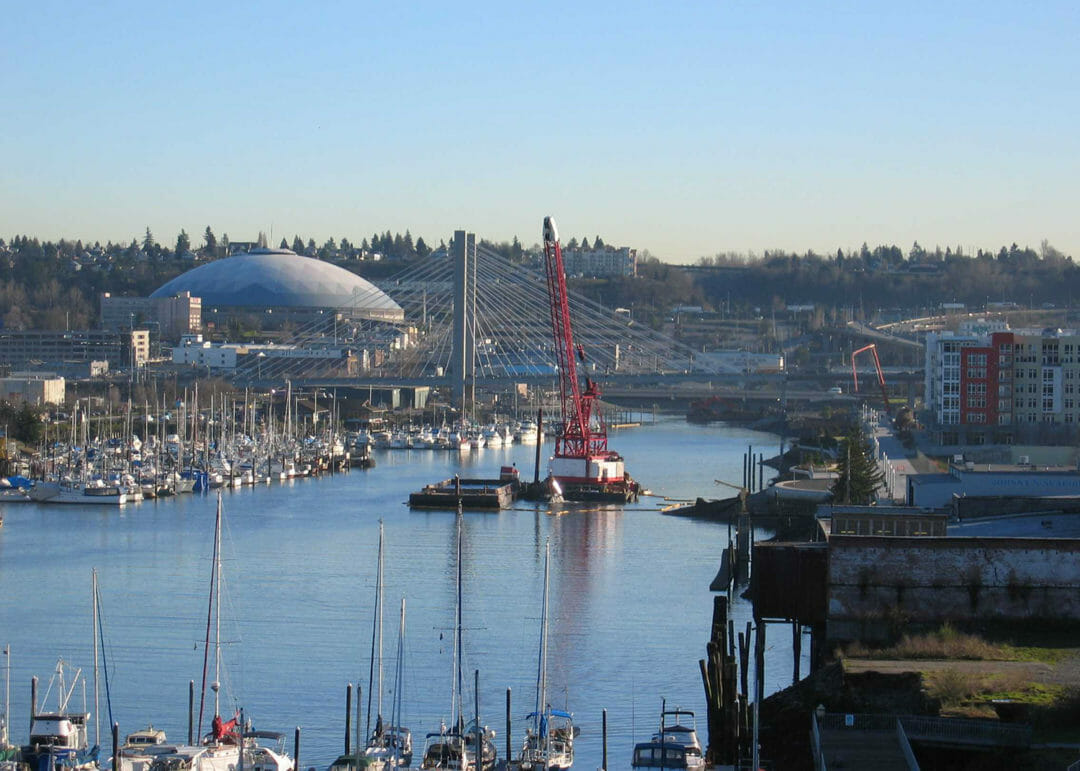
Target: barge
[(469, 493)]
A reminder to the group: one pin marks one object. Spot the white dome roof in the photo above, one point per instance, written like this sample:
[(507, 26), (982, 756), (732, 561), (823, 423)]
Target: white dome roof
[(280, 278)]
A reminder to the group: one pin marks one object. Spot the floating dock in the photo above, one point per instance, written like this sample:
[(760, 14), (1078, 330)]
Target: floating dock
[(468, 493)]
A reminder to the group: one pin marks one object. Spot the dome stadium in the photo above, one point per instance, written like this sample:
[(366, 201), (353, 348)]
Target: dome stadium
[(281, 279)]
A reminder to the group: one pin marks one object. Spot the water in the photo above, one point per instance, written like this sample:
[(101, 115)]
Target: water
[(629, 601)]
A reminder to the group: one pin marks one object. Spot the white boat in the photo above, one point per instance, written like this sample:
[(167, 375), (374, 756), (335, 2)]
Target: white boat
[(72, 492), (140, 748), (58, 740), (549, 741), (675, 745), (526, 434)]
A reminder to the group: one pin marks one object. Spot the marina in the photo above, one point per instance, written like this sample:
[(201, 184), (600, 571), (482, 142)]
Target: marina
[(301, 559)]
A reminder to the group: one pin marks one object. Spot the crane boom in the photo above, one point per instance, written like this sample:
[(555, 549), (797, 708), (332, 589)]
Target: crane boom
[(877, 366), (582, 467)]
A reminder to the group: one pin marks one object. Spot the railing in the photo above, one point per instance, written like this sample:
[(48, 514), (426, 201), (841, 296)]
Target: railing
[(815, 744), (1074, 767), (905, 747), (961, 731), (935, 729)]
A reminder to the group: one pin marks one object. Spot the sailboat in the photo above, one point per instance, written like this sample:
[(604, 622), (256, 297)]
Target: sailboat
[(549, 742), (461, 747), (389, 746), (230, 744)]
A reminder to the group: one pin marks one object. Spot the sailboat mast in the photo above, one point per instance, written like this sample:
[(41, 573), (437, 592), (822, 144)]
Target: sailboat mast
[(7, 695), (541, 667), (456, 684), (376, 635), (209, 615), (395, 710), (217, 608), (94, 626)]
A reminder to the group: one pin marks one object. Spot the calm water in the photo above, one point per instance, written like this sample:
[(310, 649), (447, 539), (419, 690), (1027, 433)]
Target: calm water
[(629, 609)]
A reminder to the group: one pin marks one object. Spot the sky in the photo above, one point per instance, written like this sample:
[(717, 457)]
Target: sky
[(682, 128)]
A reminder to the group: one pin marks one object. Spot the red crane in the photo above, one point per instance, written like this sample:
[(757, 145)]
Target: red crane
[(579, 437), (583, 466), (880, 376)]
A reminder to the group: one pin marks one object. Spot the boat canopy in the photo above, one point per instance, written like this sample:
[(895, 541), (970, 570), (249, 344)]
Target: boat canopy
[(552, 712)]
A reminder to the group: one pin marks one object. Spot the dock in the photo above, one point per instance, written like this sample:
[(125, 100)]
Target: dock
[(468, 493)]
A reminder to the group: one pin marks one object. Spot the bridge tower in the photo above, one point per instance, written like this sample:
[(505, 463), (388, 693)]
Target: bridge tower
[(462, 374)]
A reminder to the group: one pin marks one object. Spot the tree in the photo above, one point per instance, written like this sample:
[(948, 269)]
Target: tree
[(183, 243), (598, 243), (27, 428), (148, 240), (585, 244), (284, 244), (298, 244), (422, 249), (860, 476), (210, 239)]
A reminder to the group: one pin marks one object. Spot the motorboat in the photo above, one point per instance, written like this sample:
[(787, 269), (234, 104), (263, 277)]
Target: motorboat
[(140, 748), (675, 745), (71, 492), (58, 740)]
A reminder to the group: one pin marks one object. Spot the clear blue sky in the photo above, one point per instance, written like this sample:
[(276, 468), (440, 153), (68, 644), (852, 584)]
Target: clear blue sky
[(681, 128)]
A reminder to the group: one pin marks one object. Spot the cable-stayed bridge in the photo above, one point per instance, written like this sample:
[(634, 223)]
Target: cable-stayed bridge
[(470, 315)]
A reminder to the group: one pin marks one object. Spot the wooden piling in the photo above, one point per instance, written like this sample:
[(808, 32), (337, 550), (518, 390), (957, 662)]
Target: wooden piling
[(796, 650), (116, 745), (348, 718), (604, 741), (296, 750), (191, 712)]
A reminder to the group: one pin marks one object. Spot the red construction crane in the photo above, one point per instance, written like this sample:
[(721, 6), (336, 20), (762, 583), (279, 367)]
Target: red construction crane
[(880, 376), (582, 465), (579, 437)]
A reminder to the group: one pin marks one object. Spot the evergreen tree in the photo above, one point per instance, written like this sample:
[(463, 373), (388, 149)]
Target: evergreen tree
[(148, 240), (598, 243), (860, 477), (422, 249), (183, 243), (585, 244), (210, 239), (298, 244), (284, 244)]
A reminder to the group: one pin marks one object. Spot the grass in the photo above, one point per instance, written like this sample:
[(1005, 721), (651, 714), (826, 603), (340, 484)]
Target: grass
[(967, 694), (949, 643), (945, 643)]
